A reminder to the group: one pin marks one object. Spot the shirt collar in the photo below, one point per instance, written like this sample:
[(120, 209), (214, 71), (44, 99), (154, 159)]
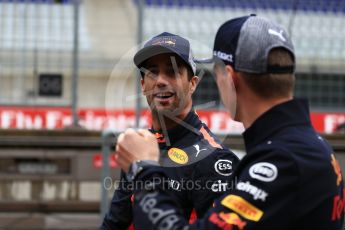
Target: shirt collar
[(190, 124), (291, 113)]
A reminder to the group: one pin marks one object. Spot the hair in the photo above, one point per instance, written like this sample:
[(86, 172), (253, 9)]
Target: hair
[(190, 73), (273, 85)]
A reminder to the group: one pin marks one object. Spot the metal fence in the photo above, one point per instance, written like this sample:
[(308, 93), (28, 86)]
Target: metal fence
[(317, 28), (43, 37), (37, 37)]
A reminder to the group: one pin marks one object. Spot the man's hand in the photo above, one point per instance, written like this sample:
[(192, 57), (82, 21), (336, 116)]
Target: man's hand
[(136, 145)]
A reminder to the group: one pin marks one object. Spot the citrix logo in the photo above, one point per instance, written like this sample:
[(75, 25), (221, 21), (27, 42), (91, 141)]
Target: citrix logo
[(253, 190), (219, 186)]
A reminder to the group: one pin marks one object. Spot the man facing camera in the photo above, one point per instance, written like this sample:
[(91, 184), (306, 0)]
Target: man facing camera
[(198, 167)]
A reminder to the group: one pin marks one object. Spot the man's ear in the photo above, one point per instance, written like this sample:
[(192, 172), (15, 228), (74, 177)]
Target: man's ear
[(194, 83), (232, 73)]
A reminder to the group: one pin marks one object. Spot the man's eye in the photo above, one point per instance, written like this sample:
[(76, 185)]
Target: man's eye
[(172, 72), (152, 73)]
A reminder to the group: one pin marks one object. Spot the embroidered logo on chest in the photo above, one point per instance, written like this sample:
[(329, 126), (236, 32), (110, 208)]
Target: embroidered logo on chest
[(178, 156)]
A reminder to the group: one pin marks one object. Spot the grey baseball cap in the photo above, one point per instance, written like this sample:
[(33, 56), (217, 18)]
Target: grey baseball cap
[(245, 43)]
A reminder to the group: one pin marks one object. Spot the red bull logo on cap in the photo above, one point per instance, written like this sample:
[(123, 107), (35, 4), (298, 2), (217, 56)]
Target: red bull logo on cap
[(165, 40)]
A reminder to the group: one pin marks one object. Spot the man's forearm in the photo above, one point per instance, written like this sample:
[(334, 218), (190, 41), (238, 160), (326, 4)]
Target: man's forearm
[(153, 207)]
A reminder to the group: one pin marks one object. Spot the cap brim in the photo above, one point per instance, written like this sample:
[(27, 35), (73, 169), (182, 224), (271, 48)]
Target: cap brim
[(204, 61), (147, 52)]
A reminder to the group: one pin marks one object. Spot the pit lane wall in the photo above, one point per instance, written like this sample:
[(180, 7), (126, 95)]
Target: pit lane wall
[(60, 170)]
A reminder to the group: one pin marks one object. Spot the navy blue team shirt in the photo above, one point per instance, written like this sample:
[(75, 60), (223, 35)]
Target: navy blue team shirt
[(197, 167), (289, 179)]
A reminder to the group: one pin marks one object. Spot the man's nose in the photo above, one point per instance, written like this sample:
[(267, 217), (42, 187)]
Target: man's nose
[(162, 80)]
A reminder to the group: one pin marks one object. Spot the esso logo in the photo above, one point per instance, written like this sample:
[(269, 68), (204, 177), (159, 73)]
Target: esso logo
[(264, 171), (223, 167)]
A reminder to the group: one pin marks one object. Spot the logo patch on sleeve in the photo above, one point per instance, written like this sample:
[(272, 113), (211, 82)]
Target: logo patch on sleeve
[(242, 207), (234, 219), (178, 156), (263, 171)]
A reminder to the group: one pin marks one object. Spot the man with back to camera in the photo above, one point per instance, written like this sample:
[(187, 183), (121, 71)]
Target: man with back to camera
[(289, 178), (197, 165)]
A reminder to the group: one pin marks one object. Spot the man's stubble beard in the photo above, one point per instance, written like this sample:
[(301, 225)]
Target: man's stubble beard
[(172, 111)]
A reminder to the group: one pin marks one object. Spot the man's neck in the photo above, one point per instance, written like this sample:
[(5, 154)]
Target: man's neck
[(166, 121), (254, 108)]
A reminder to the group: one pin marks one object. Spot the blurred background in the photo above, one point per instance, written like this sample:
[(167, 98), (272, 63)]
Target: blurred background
[(68, 86)]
